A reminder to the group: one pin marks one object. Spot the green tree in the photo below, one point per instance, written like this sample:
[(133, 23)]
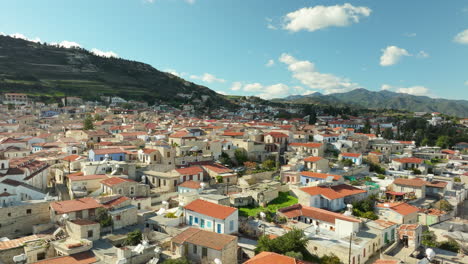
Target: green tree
[(268, 164), (330, 259), (429, 239), (293, 254), (88, 123), (425, 142), (103, 217), (388, 133), (367, 127), (241, 156), (133, 238), (225, 159), (450, 245), (443, 141), (293, 241)]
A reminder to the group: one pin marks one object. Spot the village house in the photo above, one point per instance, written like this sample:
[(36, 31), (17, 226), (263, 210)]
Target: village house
[(125, 187), (333, 198), (400, 213), (356, 158), (202, 246), (317, 164), (210, 216)]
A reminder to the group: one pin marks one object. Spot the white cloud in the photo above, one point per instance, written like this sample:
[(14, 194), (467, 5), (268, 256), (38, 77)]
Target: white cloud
[(462, 37), (413, 90), (319, 17), (173, 72), (270, 63), (466, 83), (236, 86), (107, 54), (67, 44), (21, 36), (221, 92), (270, 24), (253, 87), (307, 74), (422, 54), (392, 55), (208, 78), (275, 91)]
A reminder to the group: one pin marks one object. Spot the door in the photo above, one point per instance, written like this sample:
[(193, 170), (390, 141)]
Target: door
[(202, 223), (218, 228), (190, 220), (204, 252)]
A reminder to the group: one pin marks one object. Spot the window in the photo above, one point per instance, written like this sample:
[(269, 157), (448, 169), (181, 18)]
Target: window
[(28, 211), (231, 225), (41, 256), (218, 229), (204, 252), (194, 249), (132, 190), (79, 214), (90, 233), (118, 217), (208, 224), (196, 220), (91, 212), (120, 191)]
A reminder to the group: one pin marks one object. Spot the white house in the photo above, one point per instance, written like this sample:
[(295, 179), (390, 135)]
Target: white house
[(212, 217)]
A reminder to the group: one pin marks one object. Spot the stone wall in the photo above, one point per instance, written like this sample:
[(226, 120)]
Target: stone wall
[(16, 221)]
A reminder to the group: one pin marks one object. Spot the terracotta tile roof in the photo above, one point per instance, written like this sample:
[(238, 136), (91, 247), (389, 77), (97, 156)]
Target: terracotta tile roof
[(400, 208), (203, 238), (384, 223), (14, 243), (180, 134), (80, 258), (333, 192), (218, 168), (233, 134), (307, 145), (64, 207), (437, 184), (408, 227), (192, 170), (271, 257), (315, 213), (149, 151), (353, 155), (386, 261), (210, 209), (410, 182), (107, 151), (190, 185), (115, 202), (410, 160), (87, 177), (320, 175), (277, 135), (115, 181), (73, 158), (312, 159)]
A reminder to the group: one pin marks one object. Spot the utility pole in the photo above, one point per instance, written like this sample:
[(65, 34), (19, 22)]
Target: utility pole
[(349, 254)]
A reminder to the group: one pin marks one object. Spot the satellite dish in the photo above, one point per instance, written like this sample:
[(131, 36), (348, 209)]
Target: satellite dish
[(65, 217), (217, 261), (430, 254), (202, 185), (19, 258), (165, 202), (262, 215)]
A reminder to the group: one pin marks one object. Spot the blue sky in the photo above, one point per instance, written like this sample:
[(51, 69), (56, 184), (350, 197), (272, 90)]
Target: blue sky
[(270, 48)]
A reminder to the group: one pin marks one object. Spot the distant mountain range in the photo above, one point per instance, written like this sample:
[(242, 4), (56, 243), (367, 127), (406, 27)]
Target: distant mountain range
[(384, 100), (50, 72)]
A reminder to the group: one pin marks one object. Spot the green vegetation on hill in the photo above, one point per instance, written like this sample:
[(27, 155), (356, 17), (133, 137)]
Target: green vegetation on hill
[(49, 72), (385, 100)]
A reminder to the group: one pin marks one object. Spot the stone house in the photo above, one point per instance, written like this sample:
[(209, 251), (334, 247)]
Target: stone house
[(201, 246), (125, 187), (400, 213), (317, 164)]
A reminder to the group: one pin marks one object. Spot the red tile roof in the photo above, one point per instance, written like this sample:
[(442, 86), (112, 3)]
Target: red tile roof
[(210, 209), (315, 213), (115, 180), (217, 168), (79, 258), (115, 202), (233, 134), (64, 207), (14, 243), (107, 151), (312, 159), (353, 155), (400, 208), (307, 145), (410, 182), (333, 192), (409, 160), (320, 175), (190, 184), (193, 170), (271, 257), (277, 135), (386, 261), (203, 238)]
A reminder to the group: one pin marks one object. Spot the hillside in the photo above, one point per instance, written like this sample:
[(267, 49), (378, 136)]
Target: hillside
[(51, 72), (385, 100)]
